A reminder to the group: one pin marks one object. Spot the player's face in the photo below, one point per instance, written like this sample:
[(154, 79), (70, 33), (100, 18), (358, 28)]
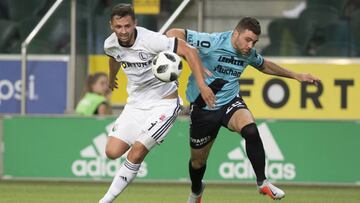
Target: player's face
[(124, 28), (244, 40)]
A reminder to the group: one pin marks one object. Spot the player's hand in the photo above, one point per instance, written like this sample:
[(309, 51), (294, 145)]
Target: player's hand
[(307, 77), (208, 96), (113, 83)]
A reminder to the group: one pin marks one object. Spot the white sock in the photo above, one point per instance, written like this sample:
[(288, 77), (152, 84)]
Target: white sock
[(122, 179)]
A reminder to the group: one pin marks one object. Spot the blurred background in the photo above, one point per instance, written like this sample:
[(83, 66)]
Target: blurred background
[(290, 28), (302, 125)]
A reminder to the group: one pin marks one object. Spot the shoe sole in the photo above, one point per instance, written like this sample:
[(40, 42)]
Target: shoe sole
[(268, 194)]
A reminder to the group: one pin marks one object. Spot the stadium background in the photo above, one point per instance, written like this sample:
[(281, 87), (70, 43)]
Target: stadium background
[(310, 133)]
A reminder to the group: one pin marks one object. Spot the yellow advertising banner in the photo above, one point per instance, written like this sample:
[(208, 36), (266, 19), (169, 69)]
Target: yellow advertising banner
[(147, 6), (336, 97)]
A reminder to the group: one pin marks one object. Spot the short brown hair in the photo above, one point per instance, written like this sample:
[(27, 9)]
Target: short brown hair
[(122, 10), (249, 23)]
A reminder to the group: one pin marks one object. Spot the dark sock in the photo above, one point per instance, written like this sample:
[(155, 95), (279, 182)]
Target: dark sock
[(196, 175), (255, 151)]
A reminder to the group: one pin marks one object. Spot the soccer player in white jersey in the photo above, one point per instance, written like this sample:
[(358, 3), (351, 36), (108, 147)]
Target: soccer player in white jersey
[(152, 105), (226, 55)]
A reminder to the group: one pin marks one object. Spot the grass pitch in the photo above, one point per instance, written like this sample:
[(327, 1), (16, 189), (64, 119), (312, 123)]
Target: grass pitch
[(65, 192)]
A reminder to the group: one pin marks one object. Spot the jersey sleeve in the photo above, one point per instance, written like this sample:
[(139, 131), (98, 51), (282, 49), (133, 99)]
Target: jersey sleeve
[(256, 60), (199, 40), (159, 42), (109, 53), (109, 46)]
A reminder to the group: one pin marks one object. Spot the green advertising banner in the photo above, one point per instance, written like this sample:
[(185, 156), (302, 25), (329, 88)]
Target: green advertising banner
[(73, 148)]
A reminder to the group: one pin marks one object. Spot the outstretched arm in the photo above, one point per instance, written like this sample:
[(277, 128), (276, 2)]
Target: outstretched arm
[(178, 33), (274, 69), (113, 70), (192, 57)]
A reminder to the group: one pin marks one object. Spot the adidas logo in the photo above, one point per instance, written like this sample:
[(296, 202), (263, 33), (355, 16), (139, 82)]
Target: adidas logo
[(239, 166), (124, 178), (94, 162)]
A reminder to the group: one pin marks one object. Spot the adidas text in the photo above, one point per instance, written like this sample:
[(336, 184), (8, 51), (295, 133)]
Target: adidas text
[(101, 167), (244, 170)]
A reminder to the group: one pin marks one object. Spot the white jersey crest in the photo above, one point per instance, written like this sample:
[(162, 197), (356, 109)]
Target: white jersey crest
[(136, 61)]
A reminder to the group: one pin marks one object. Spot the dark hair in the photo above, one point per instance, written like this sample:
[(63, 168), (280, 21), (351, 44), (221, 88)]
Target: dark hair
[(249, 23), (122, 10), (92, 79)]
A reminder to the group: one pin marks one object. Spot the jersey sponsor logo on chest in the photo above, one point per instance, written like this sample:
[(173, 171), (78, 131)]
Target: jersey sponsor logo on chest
[(125, 64), (231, 60), (227, 71)]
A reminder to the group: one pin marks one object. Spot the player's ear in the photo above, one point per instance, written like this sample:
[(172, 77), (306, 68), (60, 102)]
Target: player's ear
[(136, 22), (111, 27), (236, 33)]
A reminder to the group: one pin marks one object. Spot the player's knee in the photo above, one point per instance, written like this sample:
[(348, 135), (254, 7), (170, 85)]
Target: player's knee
[(250, 133), (197, 163), (137, 153), (111, 154)]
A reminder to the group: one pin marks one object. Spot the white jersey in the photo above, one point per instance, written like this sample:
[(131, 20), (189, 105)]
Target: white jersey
[(136, 61)]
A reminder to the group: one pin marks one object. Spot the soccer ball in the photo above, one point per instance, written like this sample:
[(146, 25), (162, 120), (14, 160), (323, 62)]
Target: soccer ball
[(166, 66)]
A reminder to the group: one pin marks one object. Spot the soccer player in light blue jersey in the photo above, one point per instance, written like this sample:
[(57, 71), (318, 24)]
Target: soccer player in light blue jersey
[(226, 55)]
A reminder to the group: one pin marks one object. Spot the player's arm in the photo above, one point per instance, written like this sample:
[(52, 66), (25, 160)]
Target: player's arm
[(114, 67), (192, 57), (180, 34), (271, 68), (175, 32)]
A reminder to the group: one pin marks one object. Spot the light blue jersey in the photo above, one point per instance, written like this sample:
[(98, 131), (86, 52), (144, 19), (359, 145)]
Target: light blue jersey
[(224, 62)]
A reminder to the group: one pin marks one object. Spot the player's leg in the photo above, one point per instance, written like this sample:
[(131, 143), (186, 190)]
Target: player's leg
[(127, 172), (243, 121), (126, 129), (203, 130), (115, 147), (124, 133), (238, 118), (197, 168), (153, 125)]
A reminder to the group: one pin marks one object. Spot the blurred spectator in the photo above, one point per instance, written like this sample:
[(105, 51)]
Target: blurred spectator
[(96, 96), (350, 7), (295, 12)]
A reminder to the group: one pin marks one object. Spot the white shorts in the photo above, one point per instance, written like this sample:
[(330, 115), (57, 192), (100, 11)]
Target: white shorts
[(148, 125)]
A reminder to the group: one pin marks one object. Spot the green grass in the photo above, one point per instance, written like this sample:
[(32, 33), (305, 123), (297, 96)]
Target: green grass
[(65, 192)]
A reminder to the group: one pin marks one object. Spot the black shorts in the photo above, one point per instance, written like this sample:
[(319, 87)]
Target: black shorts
[(205, 124)]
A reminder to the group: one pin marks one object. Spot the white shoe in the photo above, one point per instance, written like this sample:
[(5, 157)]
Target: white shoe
[(196, 198), (104, 201), (269, 189)]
